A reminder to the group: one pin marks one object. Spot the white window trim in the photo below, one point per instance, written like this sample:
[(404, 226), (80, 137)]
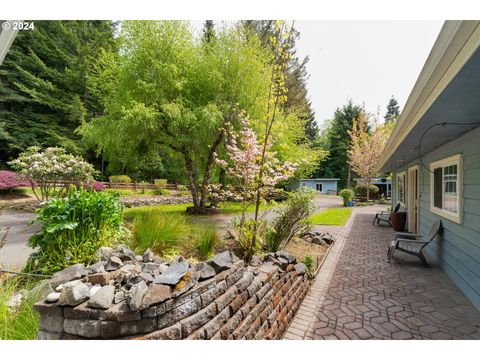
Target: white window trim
[(452, 160), (402, 174)]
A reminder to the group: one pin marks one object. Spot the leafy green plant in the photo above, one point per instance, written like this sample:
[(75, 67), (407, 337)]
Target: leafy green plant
[(309, 263), (182, 188), (73, 228), (207, 238), (291, 219), (120, 179), (160, 232), (242, 232), (347, 195), (17, 323), (143, 186)]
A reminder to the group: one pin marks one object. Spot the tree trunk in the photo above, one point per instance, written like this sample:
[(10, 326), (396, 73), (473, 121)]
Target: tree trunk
[(349, 176), (208, 169), (192, 180)]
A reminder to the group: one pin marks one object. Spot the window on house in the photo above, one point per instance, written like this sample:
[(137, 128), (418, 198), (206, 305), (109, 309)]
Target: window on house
[(401, 179), (445, 187), (319, 187)]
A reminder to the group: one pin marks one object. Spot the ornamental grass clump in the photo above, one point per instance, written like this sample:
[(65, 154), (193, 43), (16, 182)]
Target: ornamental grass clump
[(292, 219), (207, 238), (18, 321), (73, 229), (162, 233)]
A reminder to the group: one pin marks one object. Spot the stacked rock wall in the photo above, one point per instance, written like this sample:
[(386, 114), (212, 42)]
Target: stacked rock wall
[(237, 303)]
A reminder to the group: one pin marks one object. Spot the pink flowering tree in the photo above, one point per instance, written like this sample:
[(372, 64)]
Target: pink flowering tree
[(51, 171), (365, 150), (249, 172)]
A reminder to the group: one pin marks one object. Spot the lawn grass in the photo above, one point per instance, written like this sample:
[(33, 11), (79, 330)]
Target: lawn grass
[(333, 216), (226, 208)]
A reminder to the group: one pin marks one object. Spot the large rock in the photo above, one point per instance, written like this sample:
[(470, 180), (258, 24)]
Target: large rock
[(283, 254), (53, 297), (222, 261), (74, 293), (205, 271), (113, 263), (103, 298), (301, 268), (156, 294), (136, 294), (71, 273), (149, 267), (173, 274)]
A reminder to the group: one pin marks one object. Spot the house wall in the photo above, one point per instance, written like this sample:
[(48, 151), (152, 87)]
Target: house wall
[(457, 250), (327, 185)]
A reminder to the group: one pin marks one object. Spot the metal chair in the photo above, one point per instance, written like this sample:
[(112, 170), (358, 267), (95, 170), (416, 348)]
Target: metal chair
[(385, 216), (412, 243)]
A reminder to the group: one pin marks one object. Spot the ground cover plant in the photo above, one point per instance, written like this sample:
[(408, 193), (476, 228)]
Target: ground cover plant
[(332, 216)]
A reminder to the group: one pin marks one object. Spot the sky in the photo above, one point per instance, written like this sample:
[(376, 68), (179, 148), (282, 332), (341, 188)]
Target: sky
[(366, 61)]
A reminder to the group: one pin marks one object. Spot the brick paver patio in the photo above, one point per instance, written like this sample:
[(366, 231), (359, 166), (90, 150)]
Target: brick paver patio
[(359, 295)]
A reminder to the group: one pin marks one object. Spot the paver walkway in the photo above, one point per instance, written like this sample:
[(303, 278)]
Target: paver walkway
[(359, 295)]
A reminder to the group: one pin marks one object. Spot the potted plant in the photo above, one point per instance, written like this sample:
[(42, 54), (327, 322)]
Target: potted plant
[(347, 195)]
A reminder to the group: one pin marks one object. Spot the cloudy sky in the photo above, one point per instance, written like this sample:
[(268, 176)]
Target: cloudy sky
[(366, 61)]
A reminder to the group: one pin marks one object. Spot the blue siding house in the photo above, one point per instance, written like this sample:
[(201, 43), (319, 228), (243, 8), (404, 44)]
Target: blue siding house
[(322, 185), (434, 154)]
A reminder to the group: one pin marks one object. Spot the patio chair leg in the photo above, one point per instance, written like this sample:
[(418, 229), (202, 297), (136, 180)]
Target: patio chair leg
[(422, 257), (375, 218), (390, 252)]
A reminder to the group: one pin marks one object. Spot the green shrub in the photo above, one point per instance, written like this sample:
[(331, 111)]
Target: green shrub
[(120, 179), (361, 189), (364, 203), (242, 232), (17, 323), (160, 182), (309, 263), (291, 219), (207, 239), (182, 188), (159, 232), (161, 192), (347, 195), (73, 228)]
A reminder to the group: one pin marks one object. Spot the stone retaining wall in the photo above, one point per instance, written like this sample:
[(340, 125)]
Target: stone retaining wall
[(237, 303)]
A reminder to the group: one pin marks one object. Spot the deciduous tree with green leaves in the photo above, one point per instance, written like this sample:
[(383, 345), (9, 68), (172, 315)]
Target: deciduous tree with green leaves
[(164, 90)]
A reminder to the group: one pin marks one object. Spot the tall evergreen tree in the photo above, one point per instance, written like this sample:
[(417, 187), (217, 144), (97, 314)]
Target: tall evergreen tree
[(44, 79), (337, 141), (208, 31), (296, 76), (393, 110)]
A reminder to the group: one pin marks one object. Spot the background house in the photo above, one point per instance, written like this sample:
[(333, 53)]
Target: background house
[(434, 154), (322, 185)]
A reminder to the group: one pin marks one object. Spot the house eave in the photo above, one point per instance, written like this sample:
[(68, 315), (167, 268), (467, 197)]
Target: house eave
[(456, 43)]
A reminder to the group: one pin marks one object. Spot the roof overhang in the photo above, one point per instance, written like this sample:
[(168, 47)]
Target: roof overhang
[(7, 35), (447, 90)]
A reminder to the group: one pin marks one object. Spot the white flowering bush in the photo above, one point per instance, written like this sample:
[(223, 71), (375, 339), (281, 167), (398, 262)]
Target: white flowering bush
[(51, 171)]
